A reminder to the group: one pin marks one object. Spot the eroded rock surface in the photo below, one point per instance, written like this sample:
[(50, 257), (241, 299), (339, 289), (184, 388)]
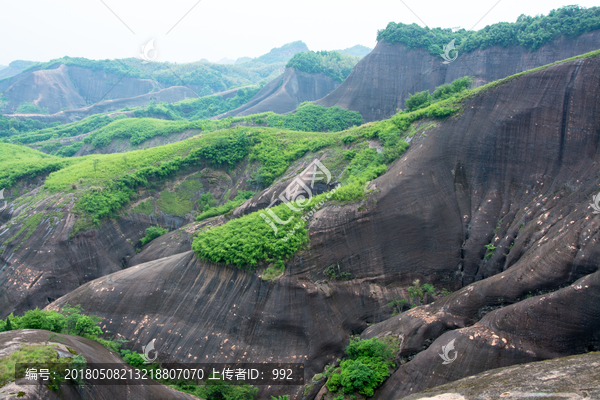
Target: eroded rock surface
[(93, 352), (379, 84), (516, 169), (573, 378)]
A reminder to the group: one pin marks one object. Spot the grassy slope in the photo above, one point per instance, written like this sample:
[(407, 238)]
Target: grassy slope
[(273, 148)]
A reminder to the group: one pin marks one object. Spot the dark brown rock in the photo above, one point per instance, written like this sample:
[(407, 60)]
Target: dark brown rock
[(94, 353), (284, 93), (380, 82), (573, 377), (515, 169)]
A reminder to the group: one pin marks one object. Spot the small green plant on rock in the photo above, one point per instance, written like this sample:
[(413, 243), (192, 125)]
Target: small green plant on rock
[(397, 305), (274, 271), (334, 273), (152, 233), (417, 291), (490, 248)]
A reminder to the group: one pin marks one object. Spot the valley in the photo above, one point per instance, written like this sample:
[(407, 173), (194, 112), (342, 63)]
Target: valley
[(404, 228)]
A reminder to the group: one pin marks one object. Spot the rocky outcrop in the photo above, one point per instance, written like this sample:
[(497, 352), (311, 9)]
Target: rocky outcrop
[(14, 68), (41, 259), (168, 95), (284, 93), (515, 170), (93, 352), (379, 84), (575, 377)]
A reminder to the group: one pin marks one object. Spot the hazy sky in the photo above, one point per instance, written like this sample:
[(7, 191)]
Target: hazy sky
[(41, 30)]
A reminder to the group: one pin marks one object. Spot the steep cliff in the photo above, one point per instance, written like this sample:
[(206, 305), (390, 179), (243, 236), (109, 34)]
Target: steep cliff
[(380, 82), (515, 171), (284, 93)]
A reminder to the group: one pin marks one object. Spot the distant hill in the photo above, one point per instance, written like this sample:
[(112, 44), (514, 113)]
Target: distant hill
[(308, 76), (15, 68), (73, 83), (282, 54), (407, 57), (356, 51), (226, 60), (242, 60)]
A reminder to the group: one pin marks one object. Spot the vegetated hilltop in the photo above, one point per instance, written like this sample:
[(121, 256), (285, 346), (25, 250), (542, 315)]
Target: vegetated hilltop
[(69, 83), (308, 76), (483, 219), (407, 57), (168, 185), (15, 67)]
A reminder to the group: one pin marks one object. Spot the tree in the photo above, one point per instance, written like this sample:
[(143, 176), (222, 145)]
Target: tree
[(8, 326), (86, 327), (418, 100)]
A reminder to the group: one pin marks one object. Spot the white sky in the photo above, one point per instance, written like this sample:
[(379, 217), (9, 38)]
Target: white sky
[(41, 30)]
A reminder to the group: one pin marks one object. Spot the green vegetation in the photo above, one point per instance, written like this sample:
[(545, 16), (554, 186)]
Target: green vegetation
[(417, 291), (397, 305), (31, 224), (424, 99), (30, 108), (211, 211), (529, 32), (330, 63), (27, 133), (489, 251), (152, 233), (247, 240), (334, 274), (200, 108), (20, 162), (177, 203), (205, 78), (273, 271), (40, 354), (145, 207), (314, 118), (275, 155), (366, 367), (216, 388)]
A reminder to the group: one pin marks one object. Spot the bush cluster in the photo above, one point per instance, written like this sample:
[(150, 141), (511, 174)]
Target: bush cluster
[(314, 118), (366, 366), (330, 63), (529, 32)]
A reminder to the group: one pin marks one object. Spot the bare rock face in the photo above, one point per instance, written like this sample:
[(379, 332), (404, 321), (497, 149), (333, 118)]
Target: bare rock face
[(284, 93), (574, 377), (516, 169), (69, 87), (168, 95), (379, 84), (93, 352)]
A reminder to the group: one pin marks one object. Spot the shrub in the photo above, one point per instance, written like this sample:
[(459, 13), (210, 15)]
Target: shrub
[(418, 100), (330, 63), (152, 233), (316, 118)]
